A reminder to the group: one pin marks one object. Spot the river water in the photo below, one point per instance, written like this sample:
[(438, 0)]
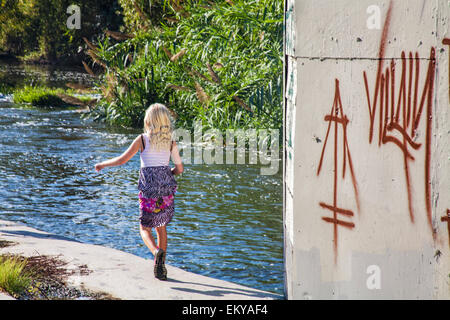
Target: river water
[(228, 220)]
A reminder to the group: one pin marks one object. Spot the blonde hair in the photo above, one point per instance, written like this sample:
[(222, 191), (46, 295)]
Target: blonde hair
[(158, 126)]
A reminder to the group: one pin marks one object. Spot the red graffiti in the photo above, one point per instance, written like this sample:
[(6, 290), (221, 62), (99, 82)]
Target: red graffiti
[(401, 111), (447, 220), (338, 117), (396, 111)]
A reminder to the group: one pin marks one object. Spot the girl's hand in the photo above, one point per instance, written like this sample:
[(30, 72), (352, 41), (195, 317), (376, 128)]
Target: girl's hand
[(99, 167)]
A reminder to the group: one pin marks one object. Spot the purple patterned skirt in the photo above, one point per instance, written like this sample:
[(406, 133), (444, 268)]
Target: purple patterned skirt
[(157, 187)]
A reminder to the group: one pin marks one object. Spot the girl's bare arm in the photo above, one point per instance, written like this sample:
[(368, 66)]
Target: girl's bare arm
[(176, 159), (178, 169), (123, 158)]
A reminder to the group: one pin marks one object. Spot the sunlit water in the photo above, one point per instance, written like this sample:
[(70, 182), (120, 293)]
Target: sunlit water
[(228, 220)]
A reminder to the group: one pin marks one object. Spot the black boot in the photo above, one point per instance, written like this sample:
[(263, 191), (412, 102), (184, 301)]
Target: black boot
[(159, 269)]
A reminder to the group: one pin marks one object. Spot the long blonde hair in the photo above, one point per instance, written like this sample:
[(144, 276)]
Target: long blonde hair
[(158, 126)]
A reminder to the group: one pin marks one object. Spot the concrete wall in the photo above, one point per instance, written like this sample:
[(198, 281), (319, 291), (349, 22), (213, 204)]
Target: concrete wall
[(367, 149)]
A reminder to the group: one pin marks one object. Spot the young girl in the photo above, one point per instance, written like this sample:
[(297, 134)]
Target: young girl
[(156, 185)]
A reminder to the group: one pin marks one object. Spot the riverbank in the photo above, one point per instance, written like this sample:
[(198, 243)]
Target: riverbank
[(5, 296), (120, 274)]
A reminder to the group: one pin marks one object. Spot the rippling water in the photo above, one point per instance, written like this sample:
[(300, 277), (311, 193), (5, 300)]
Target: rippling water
[(228, 220)]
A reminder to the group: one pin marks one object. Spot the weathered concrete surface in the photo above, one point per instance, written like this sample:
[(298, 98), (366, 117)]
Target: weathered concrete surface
[(4, 296), (122, 275), (367, 149)]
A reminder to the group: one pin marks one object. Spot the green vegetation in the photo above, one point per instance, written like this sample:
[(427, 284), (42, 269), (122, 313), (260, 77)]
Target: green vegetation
[(215, 61), (38, 96), (6, 89), (36, 30), (41, 96), (218, 61), (41, 278), (13, 279)]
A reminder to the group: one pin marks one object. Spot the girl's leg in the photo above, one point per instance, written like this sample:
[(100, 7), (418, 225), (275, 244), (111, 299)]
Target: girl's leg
[(146, 234), (161, 233)]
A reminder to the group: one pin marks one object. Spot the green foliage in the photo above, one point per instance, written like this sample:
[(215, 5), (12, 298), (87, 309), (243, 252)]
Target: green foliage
[(139, 14), (15, 25), (38, 29), (209, 61), (13, 279), (41, 96), (6, 88)]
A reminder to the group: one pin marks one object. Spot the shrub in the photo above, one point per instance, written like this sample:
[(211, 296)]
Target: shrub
[(37, 28), (219, 62), (41, 96), (13, 279)]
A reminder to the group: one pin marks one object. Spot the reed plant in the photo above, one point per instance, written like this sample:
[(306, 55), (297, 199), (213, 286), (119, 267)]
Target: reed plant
[(215, 61)]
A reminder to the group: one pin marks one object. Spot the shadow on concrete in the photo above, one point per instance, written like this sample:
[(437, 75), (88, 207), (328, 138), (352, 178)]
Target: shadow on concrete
[(222, 291), (38, 235)]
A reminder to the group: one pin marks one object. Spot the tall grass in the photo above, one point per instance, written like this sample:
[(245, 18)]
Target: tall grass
[(13, 279), (215, 61), (6, 88)]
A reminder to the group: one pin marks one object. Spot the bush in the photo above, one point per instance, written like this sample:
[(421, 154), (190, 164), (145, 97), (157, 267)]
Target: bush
[(37, 28), (47, 97), (13, 279)]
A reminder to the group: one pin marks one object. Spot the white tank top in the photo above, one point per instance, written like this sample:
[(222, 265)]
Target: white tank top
[(153, 158)]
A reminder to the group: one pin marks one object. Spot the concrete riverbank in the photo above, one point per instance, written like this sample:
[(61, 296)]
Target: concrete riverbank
[(120, 274)]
